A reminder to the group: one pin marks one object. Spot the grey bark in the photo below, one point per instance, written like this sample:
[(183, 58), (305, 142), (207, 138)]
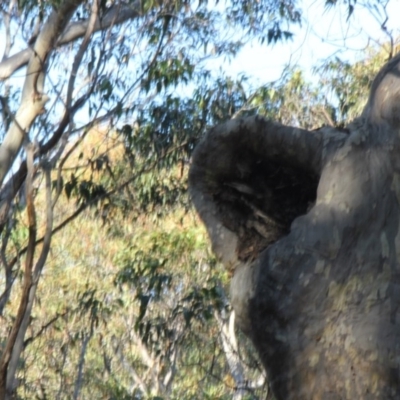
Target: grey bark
[(319, 292)]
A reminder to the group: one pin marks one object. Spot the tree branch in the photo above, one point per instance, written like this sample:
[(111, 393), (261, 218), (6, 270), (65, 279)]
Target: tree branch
[(33, 100), (13, 185), (44, 327), (230, 348), (117, 14), (93, 21), (79, 378)]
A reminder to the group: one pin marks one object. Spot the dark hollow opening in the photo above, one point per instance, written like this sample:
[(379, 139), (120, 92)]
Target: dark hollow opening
[(259, 198)]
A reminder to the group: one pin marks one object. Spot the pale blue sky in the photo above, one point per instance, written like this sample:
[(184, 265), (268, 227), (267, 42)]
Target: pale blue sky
[(325, 32)]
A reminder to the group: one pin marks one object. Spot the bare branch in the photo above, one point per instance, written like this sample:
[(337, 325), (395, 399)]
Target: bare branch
[(6, 21), (93, 20), (13, 185), (44, 327), (230, 347), (49, 226), (139, 382)]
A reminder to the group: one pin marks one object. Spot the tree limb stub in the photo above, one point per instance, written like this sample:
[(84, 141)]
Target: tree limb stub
[(308, 224), (248, 184)]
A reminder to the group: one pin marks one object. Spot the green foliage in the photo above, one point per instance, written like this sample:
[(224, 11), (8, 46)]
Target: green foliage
[(349, 3), (350, 83), (166, 73), (163, 287), (85, 191), (130, 294)]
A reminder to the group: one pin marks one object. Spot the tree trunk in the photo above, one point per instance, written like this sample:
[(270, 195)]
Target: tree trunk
[(308, 223)]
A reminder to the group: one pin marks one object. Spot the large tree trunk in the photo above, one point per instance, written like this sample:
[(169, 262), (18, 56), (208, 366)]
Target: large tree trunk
[(308, 223)]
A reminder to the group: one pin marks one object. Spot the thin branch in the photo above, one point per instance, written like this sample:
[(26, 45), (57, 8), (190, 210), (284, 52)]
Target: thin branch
[(84, 206), (327, 116), (44, 327), (14, 184), (117, 14), (7, 25), (35, 276), (139, 382), (82, 49)]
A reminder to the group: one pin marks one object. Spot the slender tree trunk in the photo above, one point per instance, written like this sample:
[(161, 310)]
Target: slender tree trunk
[(14, 345), (81, 363)]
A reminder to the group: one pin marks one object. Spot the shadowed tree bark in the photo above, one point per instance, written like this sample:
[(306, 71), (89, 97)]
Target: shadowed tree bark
[(308, 224)]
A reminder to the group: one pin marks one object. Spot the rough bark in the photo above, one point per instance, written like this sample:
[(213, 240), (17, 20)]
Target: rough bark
[(315, 266)]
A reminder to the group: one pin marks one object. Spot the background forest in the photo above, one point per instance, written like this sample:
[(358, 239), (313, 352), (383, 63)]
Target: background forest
[(108, 288)]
